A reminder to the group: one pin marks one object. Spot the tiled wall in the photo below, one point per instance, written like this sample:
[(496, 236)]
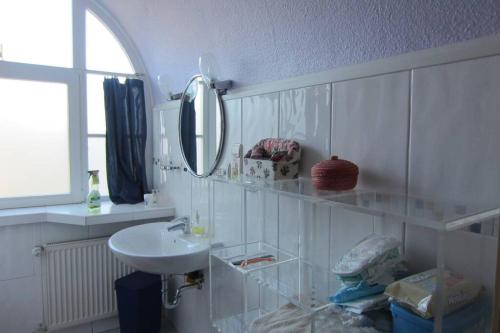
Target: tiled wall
[(432, 131)]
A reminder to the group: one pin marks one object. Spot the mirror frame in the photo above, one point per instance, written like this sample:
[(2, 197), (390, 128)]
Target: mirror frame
[(222, 129)]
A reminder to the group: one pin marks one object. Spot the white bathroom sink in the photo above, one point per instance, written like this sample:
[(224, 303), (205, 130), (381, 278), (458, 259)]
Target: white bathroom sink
[(152, 248)]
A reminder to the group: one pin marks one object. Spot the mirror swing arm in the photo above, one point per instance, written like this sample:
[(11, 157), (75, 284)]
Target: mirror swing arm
[(220, 86)]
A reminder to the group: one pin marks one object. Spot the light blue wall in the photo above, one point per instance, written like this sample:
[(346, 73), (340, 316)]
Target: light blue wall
[(264, 40)]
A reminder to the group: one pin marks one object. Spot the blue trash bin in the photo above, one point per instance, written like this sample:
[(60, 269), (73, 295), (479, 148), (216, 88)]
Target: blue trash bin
[(139, 302)]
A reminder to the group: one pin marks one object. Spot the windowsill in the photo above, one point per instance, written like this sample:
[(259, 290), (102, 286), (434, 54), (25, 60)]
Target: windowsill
[(78, 214)]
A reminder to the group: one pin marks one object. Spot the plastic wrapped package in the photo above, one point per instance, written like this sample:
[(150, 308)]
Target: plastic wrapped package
[(372, 255), (417, 292)]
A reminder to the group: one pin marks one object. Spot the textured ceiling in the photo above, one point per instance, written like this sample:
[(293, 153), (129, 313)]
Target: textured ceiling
[(256, 41)]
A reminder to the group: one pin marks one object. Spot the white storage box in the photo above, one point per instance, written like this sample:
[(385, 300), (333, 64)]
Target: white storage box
[(273, 159)]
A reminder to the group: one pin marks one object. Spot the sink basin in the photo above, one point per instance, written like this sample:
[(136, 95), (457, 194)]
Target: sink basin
[(152, 248)]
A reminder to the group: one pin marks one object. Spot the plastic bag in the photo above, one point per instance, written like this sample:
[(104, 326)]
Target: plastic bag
[(375, 252), (417, 292)]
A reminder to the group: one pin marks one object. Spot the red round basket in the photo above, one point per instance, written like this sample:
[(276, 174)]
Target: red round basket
[(335, 175)]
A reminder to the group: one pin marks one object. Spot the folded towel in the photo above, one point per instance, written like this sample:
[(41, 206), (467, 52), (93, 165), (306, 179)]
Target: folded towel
[(383, 274), (362, 289), (366, 304)]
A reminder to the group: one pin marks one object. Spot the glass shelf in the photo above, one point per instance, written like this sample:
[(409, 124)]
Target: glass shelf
[(262, 289), (301, 188), (299, 282), (268, 292), (239, 257), (438, 215), (306, 238)]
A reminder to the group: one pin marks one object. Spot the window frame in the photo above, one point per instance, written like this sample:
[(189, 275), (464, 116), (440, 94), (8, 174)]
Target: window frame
[(9, 70), (76, 80)]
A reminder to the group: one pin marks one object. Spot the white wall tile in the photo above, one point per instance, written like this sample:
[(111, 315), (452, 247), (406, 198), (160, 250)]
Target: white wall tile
[(305, 116), (84, 328), (228, 227), (157, 141), (174, 185), (262, 217), (455, 131), (476, 261), (487, 257), (453, 150), (232, 129), (260, 116), (56, 232), (259, 119), (176, 191), (169, 145), (200, 199), (370, 128), (21, 304), (108, 229), (290, 217), (16, 243), (105, 325), (421, 246), (315, 231), (347, 229)]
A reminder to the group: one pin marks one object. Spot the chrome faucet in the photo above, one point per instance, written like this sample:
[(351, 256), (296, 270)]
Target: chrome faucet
[(185, 225)]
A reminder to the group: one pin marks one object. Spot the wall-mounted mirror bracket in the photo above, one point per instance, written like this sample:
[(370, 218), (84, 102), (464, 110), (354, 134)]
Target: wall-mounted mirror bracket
[(175, 97), (222, 86)]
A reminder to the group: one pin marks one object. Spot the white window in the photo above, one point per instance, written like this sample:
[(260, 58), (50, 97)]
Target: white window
[(52, 121)]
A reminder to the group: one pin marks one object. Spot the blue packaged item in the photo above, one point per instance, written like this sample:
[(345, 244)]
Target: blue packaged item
[(360, 290), (471, 318)]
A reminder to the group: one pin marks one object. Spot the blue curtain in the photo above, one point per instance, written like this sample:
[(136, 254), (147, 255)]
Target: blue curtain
[(126, 132), (188, 132)]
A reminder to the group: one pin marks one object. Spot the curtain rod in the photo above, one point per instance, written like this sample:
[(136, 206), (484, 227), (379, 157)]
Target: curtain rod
[(114, 74)]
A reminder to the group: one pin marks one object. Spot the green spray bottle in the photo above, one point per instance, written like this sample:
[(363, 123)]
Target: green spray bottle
[(94, 197)]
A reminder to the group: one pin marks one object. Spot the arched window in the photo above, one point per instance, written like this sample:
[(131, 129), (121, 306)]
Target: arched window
[(54, 56)]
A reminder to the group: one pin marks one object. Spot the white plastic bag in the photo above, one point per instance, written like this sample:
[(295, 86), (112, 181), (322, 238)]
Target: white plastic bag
[(375, 249)]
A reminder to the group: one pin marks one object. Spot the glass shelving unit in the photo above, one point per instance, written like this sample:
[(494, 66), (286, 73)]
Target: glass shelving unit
[(288, 271)]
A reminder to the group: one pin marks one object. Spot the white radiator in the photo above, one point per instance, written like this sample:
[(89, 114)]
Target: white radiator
[(78, 282)]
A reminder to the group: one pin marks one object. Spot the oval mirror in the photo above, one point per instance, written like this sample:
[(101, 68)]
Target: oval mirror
[(201, 127)]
